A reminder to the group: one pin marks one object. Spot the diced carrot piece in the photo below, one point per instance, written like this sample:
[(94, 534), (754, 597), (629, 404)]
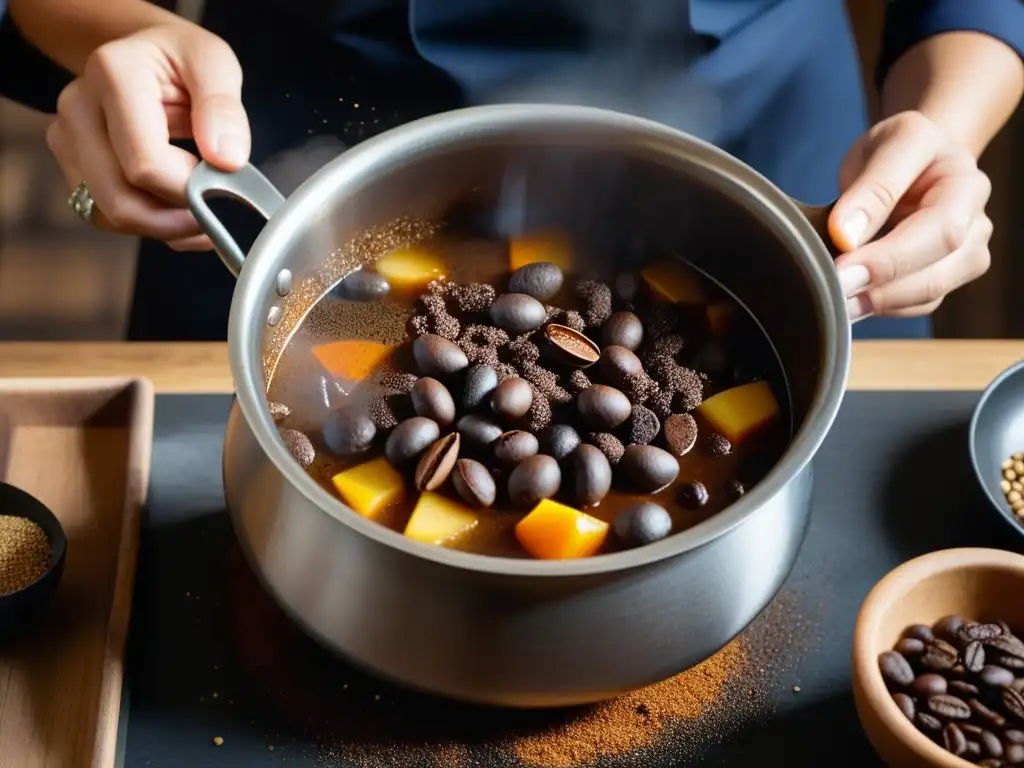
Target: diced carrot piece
[(541, 246), (720, 316), (352, 360), (438, 519), (371, 487), (739, 412), (553, 531), (672, 280), (410, 268)]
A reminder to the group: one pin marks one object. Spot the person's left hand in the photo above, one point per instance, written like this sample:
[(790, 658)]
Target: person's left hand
[(905, 172)]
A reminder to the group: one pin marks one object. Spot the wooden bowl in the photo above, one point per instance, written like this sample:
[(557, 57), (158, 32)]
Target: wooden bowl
[(977, 584)]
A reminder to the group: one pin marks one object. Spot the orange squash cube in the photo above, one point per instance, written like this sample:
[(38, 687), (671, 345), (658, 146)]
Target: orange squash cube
[(438, 519), (672, 280), (352, 360), (553, 531), (371, 487), (739, 412), (410, 268), (541, 246)]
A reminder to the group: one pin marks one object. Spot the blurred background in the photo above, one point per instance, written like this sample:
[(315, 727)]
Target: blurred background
[(60, 280)]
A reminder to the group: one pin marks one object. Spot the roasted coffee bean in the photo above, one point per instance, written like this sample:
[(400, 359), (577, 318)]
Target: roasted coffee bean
[(349, 431), (947, 627), (990, 744), (958, 672), (642, 523), (974, 656), (535, 478), (970, 632), (541, 280), (512, 399), (939, 656), (948, 707), (362, 285), (1008, 645), (963, 689), (409, 439), (1014, 754), (929, 684), (1013, 736), (649, 468), (909, 646), (918, 632), (680, 430), (626, 287), (622, 329), (567, 346), (906, 705), (1014, 663), (953, 739), (517, 312), (477, 429), (929, 724), (432, 399), (1013, 703), (559, 441), (973, 751), (512, 447), (480, 382), (436, 356), (473, 482), (997, 677), (616, 363), (603, 408), (300, 447), (986, 715), (592, 475), (895, 669), (971, 730), (693, 495), (990, 763), (437, 463)]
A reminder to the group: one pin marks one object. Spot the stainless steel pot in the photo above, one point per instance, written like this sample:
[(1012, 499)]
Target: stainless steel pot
[(519, 632)]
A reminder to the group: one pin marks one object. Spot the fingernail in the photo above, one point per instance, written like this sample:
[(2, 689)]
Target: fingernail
[(854, 226), (859, 307), (854, 279), (232, 149)]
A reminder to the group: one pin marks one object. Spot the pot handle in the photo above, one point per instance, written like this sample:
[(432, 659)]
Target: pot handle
[(246, 185), (817, 217)]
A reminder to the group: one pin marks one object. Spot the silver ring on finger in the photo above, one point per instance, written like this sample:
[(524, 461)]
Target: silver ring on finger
[(82, 204)]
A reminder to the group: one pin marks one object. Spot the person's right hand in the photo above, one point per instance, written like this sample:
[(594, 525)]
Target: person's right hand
[(115, 122)]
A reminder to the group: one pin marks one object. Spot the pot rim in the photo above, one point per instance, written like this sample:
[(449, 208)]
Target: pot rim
[(744, 184)]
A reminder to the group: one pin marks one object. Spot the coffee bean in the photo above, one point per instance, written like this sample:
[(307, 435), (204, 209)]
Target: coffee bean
[(1014, 663), (970, 632), (1013, 736), (603, 408), (971, 730), (649, 468), (947, 627), (480, 382), (929, 724), (693, 495), (431, 398), (1009, 645), (895, 669), (986, 715), (436, 356), (541, 280), (477, 429), (512, 399), (734, 489), (991, 745), (906, 705), (642, 523), (300, 447), (963, 689), (349, 431), (512, 447), (535, 478), (939, 656), (973, 751), (989, 763), (997, 677), (616, 363), (362, 285), (949, 707), (954, 740), (918, 632), (974, 656), (517, 312), (622, 329), (592, 475), (626, 287), (436, 463), (929, 684), (409, 439), (909, 646), (680, 430), (567, 346), (1014, 754), (559, 440), (1013, 703), (473, 482)]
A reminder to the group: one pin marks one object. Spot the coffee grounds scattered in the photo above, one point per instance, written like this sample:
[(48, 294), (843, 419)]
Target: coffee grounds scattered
[(440, 321), (639, 387), (505, 371), (642, 426), (661, 319), (661, 403), (544, 382), (570, 318), (382, 409), (399, 382), (597, 297), (522, 351), (685, 383), (608, 444), (539, 415), (578, 381), (472, 298)]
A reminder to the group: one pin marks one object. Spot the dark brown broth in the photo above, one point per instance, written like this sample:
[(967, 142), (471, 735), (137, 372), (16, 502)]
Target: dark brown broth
[(300, 384)]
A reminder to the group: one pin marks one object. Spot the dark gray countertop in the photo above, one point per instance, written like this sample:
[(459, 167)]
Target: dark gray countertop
[(209, 657)]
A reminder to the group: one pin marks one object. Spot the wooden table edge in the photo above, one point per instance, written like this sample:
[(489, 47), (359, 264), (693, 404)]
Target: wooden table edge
[(202, 368)]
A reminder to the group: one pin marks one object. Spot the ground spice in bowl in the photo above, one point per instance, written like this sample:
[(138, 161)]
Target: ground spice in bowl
[(24, 553)]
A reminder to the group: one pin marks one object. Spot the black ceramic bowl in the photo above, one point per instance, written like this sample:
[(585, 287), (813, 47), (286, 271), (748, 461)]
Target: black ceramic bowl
[(996, 432), (18, 608)]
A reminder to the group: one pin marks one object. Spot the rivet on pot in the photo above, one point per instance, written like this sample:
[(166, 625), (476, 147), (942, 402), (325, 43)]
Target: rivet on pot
[(274, 315), (284, 282)]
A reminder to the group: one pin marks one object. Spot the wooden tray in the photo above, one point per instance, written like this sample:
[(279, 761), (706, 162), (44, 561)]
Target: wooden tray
[(81, 446)]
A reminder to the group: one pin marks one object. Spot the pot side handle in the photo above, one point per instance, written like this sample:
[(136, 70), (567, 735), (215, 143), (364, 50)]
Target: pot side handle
[(246, 185), (817, 216)]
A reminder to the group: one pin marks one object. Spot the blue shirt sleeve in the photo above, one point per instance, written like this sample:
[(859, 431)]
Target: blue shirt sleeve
[(908, 22)]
